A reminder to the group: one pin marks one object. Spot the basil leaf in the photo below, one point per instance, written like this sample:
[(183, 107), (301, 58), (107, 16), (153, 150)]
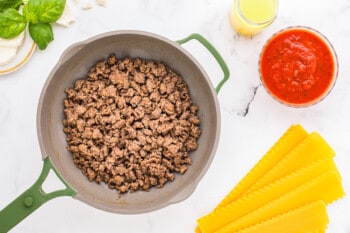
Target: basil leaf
[(44, 11), (51, 10), (12, 23), (6, 4), (41, 33), (32, 11)]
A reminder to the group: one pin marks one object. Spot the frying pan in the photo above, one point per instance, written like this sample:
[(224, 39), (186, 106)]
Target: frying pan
[(73, 65)]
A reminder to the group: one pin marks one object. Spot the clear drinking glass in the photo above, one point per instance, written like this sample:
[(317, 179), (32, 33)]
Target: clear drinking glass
[(249, 17)]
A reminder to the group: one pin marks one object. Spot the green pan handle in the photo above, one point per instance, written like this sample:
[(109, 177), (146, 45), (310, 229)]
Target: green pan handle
[(214, 52), (31, 199)]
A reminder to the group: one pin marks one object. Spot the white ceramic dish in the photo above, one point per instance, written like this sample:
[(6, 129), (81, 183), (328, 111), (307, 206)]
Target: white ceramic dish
[(24, 52)]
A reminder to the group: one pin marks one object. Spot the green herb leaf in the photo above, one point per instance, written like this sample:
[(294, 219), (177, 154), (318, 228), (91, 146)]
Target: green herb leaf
[(41, 33), (44, 11), (6, 4), (51, 10), (12, 23), (32, 11)]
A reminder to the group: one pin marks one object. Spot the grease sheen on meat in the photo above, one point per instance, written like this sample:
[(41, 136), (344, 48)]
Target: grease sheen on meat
[(131, 124)]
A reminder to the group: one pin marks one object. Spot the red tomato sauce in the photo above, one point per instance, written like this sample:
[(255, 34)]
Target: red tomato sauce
[(297, 66)]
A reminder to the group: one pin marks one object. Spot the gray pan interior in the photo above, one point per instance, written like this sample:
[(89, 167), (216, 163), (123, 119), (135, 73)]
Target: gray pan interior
[(74, 64)]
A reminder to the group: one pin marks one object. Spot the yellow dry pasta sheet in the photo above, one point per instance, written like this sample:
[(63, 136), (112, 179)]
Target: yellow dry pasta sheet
[(326, 187), (307, 219), (250, 202), (290, 139), (314, 147)]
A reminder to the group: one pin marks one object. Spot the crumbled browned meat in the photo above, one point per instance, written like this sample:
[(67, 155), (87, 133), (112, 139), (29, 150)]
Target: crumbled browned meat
[(91, 174), (131, 124)]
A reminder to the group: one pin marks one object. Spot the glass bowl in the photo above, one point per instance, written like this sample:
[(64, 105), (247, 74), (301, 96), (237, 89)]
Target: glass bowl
[(298, 66)]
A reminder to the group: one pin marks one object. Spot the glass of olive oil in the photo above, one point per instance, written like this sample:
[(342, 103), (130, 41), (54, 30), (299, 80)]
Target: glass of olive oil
[(249, 17)]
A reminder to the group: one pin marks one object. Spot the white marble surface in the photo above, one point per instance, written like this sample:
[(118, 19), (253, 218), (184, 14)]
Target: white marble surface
[(251, 120)]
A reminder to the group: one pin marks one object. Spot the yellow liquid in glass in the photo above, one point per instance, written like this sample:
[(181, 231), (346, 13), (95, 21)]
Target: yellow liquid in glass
[(249, 17)]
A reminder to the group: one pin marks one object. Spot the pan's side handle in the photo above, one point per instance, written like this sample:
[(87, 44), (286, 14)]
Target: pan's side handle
[(215, 54), (31, 199)]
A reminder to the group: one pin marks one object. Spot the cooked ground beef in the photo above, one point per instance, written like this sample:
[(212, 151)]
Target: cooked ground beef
[(131, 124)]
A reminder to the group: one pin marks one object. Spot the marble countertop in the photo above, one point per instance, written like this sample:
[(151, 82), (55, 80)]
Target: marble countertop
[(251, 120)]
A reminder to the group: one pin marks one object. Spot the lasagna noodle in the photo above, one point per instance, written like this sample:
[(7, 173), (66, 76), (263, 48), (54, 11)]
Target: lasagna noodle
[(307, 219), (290, 139)]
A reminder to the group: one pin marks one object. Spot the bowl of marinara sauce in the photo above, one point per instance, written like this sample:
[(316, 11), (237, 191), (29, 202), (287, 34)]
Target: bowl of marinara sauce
[(298, 66)]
